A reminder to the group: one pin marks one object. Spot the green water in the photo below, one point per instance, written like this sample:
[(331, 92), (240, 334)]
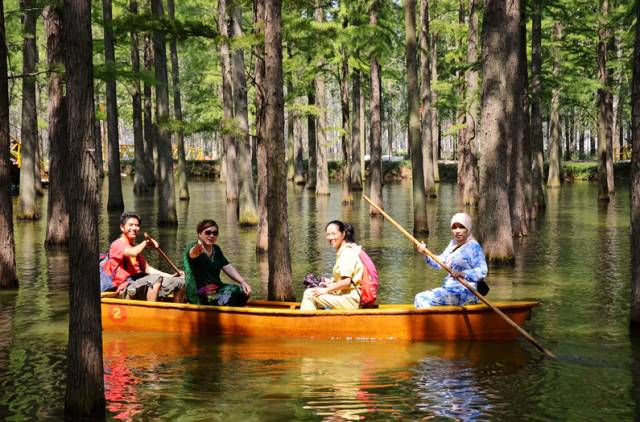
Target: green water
[(576, 263)]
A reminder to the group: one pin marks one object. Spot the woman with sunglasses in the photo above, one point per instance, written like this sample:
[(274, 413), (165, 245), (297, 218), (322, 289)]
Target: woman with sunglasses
[(203, 260)]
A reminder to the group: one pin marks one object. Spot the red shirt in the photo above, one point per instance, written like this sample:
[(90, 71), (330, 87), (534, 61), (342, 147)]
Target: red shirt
[(129, 265)]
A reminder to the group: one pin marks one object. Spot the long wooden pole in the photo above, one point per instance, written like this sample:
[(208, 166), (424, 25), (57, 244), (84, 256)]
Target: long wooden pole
[(164, 255), (464, 282)]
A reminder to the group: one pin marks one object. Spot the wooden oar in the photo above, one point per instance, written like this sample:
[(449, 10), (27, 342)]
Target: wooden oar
[(464, 282), (164, 255)]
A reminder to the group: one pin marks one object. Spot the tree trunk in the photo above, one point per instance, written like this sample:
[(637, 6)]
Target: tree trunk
[(280, 279), (181, 168), (516, 103), (553, 180), (605, 112), (420, 224), (262, 241), (635, 182), (166, 186), (115, 201), (467, 150), (322, 144), (495, 226), (248, 215), (84, 397), (347, 195), (537, 138), (298, 148), (28, 131), (57, 210), (291, 171), (426, 105), (356, 175), (435, 123), (363, 135), (230, 162), (375, 105), (8, 276), (140, 183), (150, 135), (312, 169)]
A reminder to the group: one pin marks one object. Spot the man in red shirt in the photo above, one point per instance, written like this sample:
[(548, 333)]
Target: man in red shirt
[(130, 272)]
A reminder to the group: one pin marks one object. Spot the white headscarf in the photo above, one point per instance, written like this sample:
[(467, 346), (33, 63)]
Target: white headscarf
[(462, 218)]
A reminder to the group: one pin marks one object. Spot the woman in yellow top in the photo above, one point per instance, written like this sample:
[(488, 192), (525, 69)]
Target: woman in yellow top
[(342, 290)]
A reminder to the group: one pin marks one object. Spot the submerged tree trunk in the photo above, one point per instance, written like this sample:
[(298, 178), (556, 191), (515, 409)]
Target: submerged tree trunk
[(262, 241), (605, 113), (115, 201), (375, 105), (150, 135), (553, 179), (425, 104), (8, 276), (312, 169), (467, 151), (495, 226), (356, 175), (166, 186), (230, 161), (28, 132), (298, 147), (635, 182), (84, 397), (537, 139), (322, 144), (420, 224), (248, 215), (181, 168), (347, 195), (280, 278), (57, 210), (140, 183)]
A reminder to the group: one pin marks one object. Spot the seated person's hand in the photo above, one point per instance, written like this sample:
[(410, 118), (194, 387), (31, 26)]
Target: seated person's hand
[(153, 243), (457, 274), (422, 249), (122, 287), (317, 291), (178, 274), (246, 288)]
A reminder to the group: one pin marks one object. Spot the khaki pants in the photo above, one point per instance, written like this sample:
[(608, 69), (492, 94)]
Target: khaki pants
[(350, 300)]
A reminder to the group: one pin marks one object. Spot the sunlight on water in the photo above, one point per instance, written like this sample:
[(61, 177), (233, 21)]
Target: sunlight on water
[(576, 262)]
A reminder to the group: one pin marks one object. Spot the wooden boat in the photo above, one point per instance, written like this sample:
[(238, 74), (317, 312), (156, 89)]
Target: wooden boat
[(284, 319)]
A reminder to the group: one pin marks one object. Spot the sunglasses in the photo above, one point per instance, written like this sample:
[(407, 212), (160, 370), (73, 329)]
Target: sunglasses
[(211, 232)]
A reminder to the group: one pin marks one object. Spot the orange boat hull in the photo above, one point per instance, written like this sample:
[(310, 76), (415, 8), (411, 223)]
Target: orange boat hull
[(282, 319)]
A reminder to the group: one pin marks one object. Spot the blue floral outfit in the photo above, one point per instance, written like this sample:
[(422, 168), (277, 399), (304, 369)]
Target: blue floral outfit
[(468, 259)]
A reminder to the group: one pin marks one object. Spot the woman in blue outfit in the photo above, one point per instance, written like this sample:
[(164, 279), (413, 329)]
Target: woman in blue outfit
[(465, 257)]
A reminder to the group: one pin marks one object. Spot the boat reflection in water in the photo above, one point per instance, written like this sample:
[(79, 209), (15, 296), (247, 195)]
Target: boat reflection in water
[(157, 375)]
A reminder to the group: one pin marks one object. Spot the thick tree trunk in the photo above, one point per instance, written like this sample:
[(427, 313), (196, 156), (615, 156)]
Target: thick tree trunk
[(467, 150), (537, 138), (356, 175), (635, 182), (230, 161), (181, 168), (262, 241), (8, 276), (553, 179), (347, 195), (516, 105), (605, 112), (425, 104), (57, 210), (115, 201), (84, 397), (150, 135), (312, 169), (420, 224), (280, 279), (140, 184), (375, 105), (322, 144), (495, 226), (166, 186), (28, 132), (248, 214)]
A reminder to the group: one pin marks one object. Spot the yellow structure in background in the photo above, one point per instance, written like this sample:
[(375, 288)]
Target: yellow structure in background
[(196, 154)]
